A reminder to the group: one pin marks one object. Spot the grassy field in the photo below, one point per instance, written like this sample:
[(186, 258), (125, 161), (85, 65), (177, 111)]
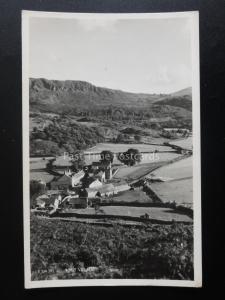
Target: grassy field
[(132, 196), (158, 213), (124, 147), (158, 157), (39, 162), (146, 158), (41, 175), (177, 170), (92, 153), (184, 143), (179, 188), (67, 250), (38, 169), (135, 172), (180, 191)]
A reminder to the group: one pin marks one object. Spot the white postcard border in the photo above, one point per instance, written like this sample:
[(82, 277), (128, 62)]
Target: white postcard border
[(197, 282)]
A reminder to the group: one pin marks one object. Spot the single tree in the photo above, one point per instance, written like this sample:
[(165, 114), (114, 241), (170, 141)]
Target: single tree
[(107, 156)]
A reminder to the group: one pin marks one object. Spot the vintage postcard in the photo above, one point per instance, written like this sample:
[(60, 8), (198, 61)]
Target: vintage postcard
[(111, 149)]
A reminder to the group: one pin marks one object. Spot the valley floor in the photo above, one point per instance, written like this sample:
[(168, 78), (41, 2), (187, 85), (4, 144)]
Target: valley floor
[(116, 241)]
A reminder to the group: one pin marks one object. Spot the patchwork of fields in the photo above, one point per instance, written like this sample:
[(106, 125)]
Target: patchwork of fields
[(41, 176), (39, 162), (38, 169), (176, 170), (135, 172), (184, 143), (146, 165), (132, 196), (146, 157), (179, 187), (180, 191), (116, 148)]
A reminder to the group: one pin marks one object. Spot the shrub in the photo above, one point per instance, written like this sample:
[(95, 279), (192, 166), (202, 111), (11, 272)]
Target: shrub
[(157, 251)]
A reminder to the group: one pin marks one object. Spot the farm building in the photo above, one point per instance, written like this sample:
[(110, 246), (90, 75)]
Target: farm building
[(61, 164), (100, 165), (104, 191), (96, 183), (67, 180), (102, 170), (91, 193), (90, 182), (51, 199), (100, 176), (40, 201), (64, 182), (75, 202), (77, 177)]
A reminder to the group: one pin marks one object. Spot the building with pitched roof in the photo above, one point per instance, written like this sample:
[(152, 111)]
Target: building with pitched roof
[(67, 180), (103, 191)]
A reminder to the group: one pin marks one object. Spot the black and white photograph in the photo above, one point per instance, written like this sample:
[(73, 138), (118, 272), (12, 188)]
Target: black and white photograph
[(111, 149)]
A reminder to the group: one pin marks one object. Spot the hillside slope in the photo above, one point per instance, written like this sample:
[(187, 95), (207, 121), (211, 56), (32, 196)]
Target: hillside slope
[(54, 95), (75, 115), (71, 96), (182, 98)]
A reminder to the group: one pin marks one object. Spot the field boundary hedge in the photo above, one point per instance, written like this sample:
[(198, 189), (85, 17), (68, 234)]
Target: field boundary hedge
[(116, 217)]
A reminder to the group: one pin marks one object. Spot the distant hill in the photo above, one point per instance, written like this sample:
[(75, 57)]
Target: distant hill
[(62, 96), (75, 115), (54, 96), (183, 92), (182, 98)]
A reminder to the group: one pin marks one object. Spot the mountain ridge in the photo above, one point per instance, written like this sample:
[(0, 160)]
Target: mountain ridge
[(55, 82), (58, 95)]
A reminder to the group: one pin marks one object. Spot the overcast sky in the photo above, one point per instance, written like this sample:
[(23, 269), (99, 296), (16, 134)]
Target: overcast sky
[(140, 55)]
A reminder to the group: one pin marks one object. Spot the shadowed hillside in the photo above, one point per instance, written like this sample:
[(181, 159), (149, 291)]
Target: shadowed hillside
[(71, 96), (74, 115), (182, 98), (54, 95)]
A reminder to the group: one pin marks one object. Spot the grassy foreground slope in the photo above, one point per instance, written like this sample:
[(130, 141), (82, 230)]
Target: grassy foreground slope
[(66, 250)]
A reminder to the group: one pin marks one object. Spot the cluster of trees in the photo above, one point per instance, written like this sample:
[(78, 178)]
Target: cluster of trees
[(156, 251), (175, 133), (130, 157), (44, 147), (121, 137), (141, 116), (63, 135)]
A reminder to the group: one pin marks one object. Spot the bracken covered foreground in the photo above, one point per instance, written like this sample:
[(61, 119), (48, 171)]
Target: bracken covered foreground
[(67, 250)]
